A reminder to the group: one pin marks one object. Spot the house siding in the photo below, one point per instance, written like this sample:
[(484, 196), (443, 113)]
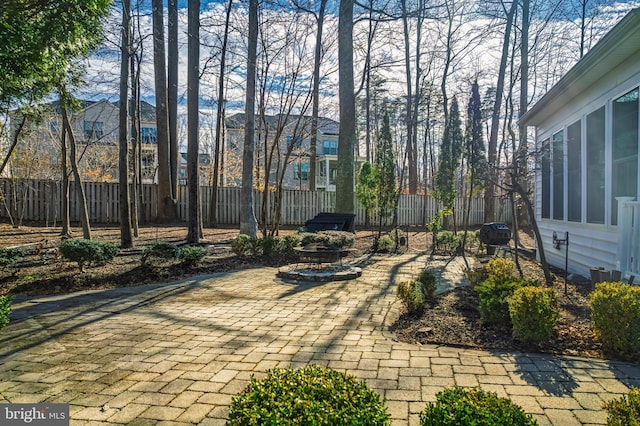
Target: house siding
[(590, 245)]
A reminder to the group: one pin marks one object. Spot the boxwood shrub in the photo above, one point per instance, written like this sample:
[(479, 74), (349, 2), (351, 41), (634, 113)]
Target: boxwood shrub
[(5, 310), (191, 255), (159, 252), (309, 396), (461, 407), (624, 411), (534, 313), (493, 294), (86, 252), (615, 318)]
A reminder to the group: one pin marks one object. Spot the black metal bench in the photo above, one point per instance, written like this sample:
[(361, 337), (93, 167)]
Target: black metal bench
[(331, 222)]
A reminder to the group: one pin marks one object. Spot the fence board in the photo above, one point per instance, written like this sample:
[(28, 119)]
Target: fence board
[(41, 200)]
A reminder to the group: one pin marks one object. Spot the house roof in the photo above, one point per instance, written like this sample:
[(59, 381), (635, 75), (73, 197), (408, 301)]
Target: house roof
[(325, 125), (147, 111), (614, 48)]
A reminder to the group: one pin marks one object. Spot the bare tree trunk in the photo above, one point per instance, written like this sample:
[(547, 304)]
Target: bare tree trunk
[(82, 200), (14, 142), (193, 93), (126, 240), (345, 195), (316, 97), (166, 202), (65, 220), (489, 193), (172, 91), (248, 222), (413, 177), (213, 207), (136, 159)]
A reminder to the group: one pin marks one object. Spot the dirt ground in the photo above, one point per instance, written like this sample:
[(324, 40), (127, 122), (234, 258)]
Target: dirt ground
[(452, 320)]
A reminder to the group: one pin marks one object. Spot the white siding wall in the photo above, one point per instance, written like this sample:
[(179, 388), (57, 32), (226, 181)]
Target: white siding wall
[(590, 245)]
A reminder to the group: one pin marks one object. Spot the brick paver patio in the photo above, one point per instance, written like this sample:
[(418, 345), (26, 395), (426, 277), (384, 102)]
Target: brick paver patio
[(177, 353)]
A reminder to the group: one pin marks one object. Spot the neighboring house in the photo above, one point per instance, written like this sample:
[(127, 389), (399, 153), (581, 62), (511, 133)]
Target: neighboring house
[(204, 164), (587, 177), (95, 127), (293, 131)]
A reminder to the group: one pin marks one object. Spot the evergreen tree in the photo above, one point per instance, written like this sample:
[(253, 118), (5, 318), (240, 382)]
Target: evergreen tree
[(450, 155), (385, 171), (366, 189), (475, 151)]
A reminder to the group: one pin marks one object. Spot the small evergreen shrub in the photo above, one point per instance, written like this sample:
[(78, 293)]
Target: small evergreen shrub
[(246, 246), (9, 256), (500, 267), (310, 396), (615, 317), (385, 244), (534, 313), (270, 246), (447, 241), (624, 411), (86, 252), (191, 255), (288, 243), (5, 310), (159, 252), (412, 296), (461, 407), (493, 294), (429, 283)]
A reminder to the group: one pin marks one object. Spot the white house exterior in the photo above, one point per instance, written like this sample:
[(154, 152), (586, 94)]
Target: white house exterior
[(587, 174)]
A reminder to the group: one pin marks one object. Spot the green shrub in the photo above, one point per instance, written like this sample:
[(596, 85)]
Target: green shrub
[(615, 317), (159, 252), (308, 396), (447, 241), (191, 255), (624, 411), (534, 313), (288, 243), (246, 246), (412, 296), (429, 283), (9, 256), (5, 310), (500, 267), (86, 252), (460, 407), (493, 294), (385, 244)]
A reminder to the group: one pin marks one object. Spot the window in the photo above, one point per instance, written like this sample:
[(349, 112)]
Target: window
[(545, 165), (93, 130), (558, 175), (574, 172), (625, 150), (149, 135), (330, 147), (595, 166), (301, 171), (297, 143), (333, 173)]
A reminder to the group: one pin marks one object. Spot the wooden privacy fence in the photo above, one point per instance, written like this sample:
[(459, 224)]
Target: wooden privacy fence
[(41, 201)]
